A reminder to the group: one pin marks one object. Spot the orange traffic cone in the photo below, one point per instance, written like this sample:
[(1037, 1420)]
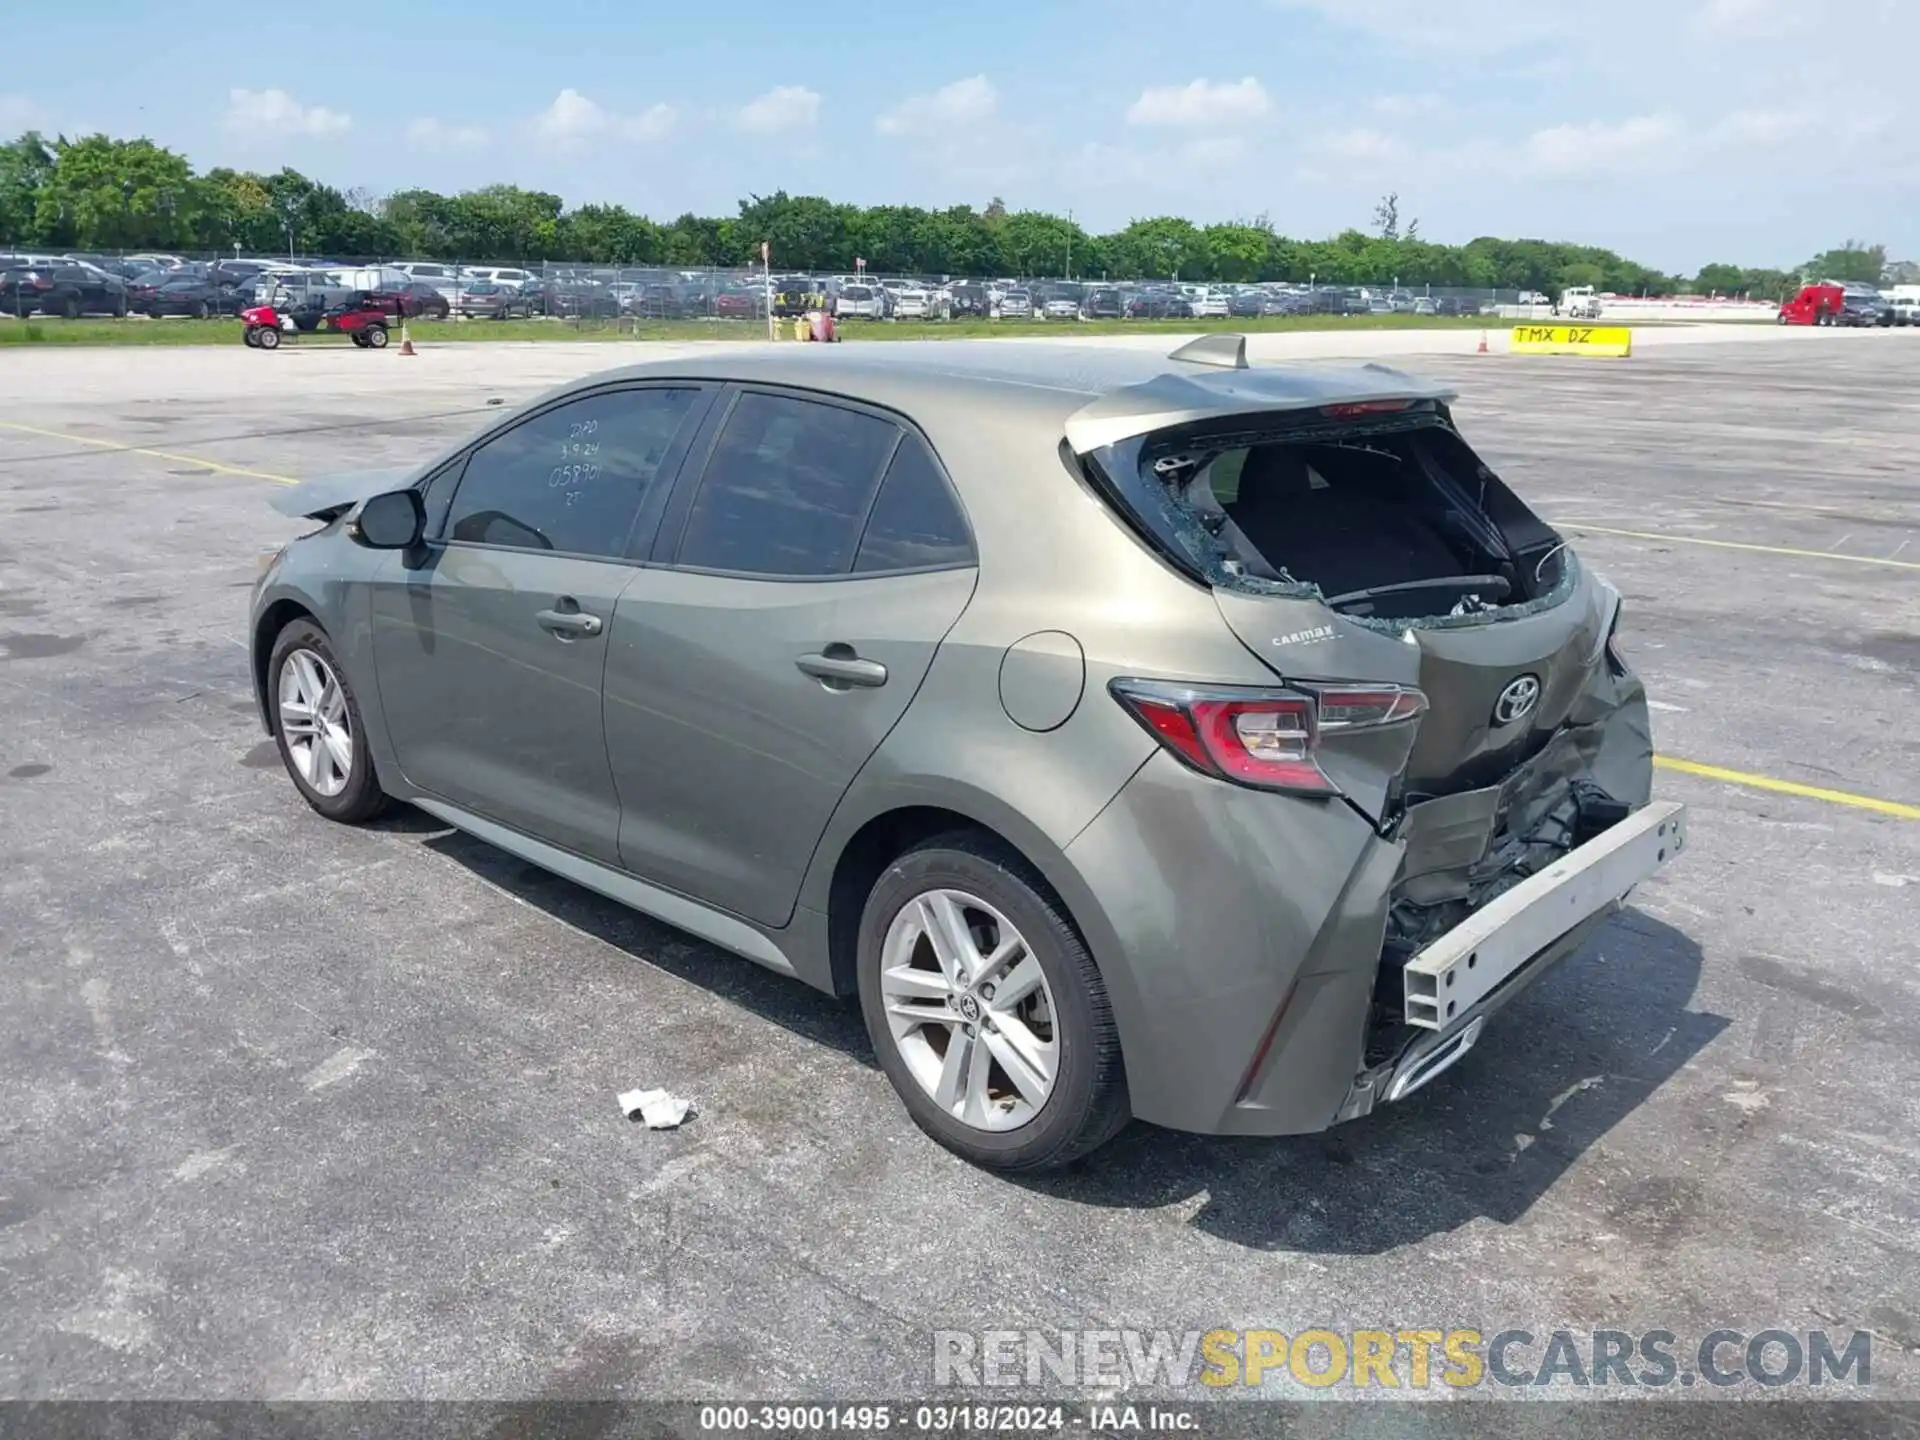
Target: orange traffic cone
[(406, 341), (1483, 344)]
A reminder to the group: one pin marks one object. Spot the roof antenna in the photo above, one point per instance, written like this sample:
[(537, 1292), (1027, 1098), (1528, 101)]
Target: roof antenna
[(1229, 352)]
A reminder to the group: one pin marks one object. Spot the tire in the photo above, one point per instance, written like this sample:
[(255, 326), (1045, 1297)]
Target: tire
[(359, 338), (70, 307), (377, 337), (972, 875), (268, 338), (356, 797), (201, 310), (250, 337), (120, 307)]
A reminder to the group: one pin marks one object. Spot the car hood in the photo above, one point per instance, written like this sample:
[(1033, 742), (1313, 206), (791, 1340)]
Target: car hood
[(325, 496)]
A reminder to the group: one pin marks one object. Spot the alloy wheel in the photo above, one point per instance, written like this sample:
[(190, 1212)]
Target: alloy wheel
[(315, 723), (970, 1010)]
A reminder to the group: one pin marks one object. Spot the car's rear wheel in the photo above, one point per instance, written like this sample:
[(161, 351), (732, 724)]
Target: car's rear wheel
[(316, 722), (250, 337), (377, 336), (269, 338), (986, 1009)]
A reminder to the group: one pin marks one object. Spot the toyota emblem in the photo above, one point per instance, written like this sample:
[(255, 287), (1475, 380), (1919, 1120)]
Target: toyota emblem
[(1516, 702)]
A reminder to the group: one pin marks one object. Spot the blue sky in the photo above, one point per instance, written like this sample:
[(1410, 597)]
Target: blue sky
[(1755, 131)]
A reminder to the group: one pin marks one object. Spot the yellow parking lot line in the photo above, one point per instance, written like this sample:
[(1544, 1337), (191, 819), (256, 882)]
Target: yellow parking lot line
[(1737, 545), (1789, 787), (199, 461)]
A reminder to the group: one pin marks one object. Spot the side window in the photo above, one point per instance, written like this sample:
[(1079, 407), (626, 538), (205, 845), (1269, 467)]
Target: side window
[(787, 488), (573, 479), (915, 522)]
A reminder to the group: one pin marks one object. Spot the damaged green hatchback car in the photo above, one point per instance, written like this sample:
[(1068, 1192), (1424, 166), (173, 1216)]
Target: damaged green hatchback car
[(1135, 736)]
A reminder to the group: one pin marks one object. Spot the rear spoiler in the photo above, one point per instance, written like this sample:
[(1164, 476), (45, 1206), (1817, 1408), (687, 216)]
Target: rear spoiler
[(1211, 380)]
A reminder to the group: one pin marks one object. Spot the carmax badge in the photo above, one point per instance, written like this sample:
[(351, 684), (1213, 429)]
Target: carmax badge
[(1516, 702)]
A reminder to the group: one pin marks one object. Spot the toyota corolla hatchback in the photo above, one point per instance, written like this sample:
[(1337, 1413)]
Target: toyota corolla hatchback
[(1135, 736)]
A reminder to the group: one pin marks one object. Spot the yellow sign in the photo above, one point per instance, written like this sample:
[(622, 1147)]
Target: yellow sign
[(1614, 340)]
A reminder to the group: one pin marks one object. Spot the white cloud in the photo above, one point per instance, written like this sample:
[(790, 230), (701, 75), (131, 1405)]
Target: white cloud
[(785, 107), (1598, 146), (572, 119), (427, 133), (275, 112), (1203, 102), (972, 101)]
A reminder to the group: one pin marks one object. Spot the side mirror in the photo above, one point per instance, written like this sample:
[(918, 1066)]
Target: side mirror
[(394, 521)]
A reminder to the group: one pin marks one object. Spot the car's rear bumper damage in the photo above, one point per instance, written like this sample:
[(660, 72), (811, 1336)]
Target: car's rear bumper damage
[(1336, 967)]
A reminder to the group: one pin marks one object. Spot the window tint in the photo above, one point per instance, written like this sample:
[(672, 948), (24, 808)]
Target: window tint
[(787, 488), (915, 522), (570, 480)]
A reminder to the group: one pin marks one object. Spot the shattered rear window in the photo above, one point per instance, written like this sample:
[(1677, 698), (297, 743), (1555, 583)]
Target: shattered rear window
[(1388, 518)]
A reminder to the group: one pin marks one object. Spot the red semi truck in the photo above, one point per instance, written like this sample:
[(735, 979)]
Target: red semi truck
[(1814, 305)]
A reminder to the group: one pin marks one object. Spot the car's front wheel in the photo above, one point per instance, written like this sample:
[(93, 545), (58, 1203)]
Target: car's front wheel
[(986, 1010), (317, 724)]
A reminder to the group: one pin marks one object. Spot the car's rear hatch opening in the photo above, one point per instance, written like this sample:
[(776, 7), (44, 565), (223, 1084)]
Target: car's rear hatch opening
[(1358, 540), (1379, 510)]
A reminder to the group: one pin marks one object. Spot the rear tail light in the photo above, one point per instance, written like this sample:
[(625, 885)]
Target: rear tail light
[(1264, 738)]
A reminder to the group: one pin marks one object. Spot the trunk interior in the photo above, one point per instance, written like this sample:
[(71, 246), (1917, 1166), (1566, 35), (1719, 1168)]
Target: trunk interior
[(1388, 526)]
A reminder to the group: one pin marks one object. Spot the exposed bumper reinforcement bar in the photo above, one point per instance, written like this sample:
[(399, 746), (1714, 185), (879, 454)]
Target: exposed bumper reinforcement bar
[(1458, 970)]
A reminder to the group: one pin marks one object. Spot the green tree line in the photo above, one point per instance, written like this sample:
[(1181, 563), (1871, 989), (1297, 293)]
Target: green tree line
[(95, 192)]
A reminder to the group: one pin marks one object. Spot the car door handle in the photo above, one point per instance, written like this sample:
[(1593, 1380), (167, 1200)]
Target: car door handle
[(843, 669), (568, 624)]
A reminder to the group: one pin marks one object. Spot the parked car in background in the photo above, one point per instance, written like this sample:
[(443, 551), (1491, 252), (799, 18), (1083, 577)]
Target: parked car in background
[(1426, 305), (860, 302), (1906, 309), (1248, 302), (1209, 305), (581, 300), (1159, 305), (1863, 307), (793, 296), (71, 289), (740, 302), (914, 302), (1102, 302), (489, 300), (969, 299), (1016, 305), (198, 297), (416, 300), (660, 301)]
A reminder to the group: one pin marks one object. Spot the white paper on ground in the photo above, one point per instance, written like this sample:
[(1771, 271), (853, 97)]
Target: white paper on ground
[(660, 1109)]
